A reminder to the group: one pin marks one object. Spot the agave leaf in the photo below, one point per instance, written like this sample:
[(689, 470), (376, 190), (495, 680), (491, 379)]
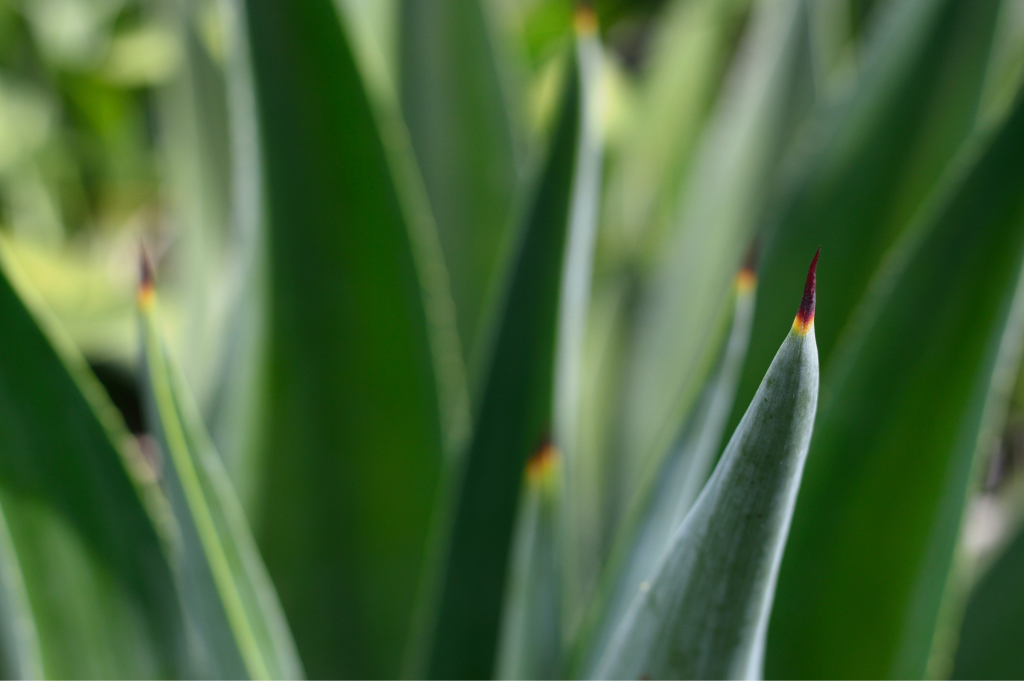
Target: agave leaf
[(993, 625), (225, 587), (581, 508), (453, 102), (349, 473), (870, 160), (704, 613), (238, 389), (65, 448), (651, 522), (20, 656), (530, 639), (513, 415), (862, 585), (194, 145)]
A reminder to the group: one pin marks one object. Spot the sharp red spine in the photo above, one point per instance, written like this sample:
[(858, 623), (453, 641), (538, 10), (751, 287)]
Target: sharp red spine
[(805, 315)]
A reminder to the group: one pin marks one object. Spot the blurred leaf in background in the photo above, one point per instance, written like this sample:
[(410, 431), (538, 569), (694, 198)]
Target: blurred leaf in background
[(402, 245)]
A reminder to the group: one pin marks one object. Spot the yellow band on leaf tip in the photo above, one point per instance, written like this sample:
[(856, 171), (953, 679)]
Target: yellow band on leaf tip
[(801, 326), (146, 296), (585, 21), (746, 281)]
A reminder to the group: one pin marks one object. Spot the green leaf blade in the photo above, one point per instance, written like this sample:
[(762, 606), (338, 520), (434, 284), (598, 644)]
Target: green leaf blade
[(247, 635), (349, 473), (453, 100), (514, 414), (531, 634), (705, 612), (887, 493), (82, 469)]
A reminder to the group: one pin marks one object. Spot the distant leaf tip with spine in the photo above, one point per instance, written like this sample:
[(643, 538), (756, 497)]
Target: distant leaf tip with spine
[(805, 315), (585, 19), (746, 280), (541, 466), (147, 288)]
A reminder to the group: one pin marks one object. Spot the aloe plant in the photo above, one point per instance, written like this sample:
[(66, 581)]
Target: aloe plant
[(459, 356)]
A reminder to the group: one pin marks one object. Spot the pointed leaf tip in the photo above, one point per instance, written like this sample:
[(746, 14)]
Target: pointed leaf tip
[(541, 464), (746, 280), (585, 18), (805, 315), (146, 278)]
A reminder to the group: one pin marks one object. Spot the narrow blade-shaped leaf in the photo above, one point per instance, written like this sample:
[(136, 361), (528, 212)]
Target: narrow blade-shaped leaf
[(875, 528), (582, 543), (62, 445), (353, 446), (453, 100), (531, 632), (225, 586), (704, 613), (667, 497), (513, 415)]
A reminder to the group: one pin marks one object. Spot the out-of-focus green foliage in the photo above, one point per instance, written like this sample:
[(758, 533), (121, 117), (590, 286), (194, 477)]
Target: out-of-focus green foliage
[(402, 246)]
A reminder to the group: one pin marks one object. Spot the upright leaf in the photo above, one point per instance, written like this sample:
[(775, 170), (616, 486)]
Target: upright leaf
[(64, 445), (689, 52), (861, 588), (531, 633), (671, 489), (227, 592), (581, 540), (353, 441), (453, 102), (513, 415), (704, 613)]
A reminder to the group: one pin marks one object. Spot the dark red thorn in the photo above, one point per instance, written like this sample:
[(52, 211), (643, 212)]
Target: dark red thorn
[(805, 315)]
